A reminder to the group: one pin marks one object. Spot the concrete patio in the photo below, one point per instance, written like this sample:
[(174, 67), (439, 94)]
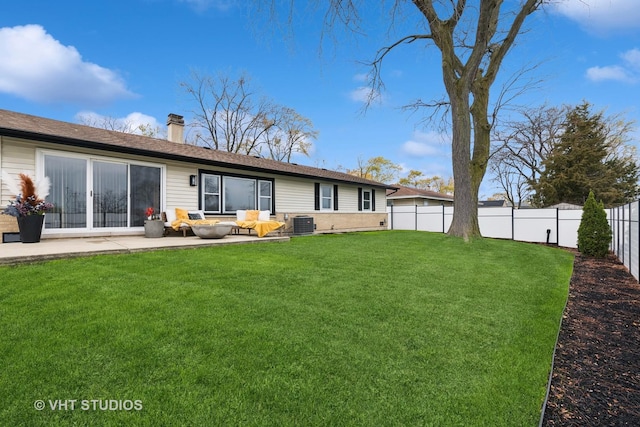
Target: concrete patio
[(47, 249)]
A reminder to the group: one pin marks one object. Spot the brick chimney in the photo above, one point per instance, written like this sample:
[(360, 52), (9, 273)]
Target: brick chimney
[(175, 131)]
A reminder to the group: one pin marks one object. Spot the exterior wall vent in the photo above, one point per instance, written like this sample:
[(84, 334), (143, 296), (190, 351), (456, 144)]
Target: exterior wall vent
[(11, 237)]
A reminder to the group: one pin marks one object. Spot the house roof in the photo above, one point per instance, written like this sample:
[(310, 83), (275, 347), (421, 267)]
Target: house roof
[(493, 203), (70, 134), (412, 193)]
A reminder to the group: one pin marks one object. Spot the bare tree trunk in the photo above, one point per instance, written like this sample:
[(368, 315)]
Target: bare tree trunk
[(470, 168), (472, 55), (465, 203), (463, 81), (467, 225)]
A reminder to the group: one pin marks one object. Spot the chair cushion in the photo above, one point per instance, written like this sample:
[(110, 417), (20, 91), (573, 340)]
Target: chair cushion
[(241, 215), (171, 216), (252, 215), (182, 213), (196, 215), (264, 216)]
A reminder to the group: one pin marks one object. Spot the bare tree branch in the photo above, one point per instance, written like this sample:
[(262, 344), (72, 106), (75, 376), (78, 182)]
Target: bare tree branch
[(473, 39), (230, 116)]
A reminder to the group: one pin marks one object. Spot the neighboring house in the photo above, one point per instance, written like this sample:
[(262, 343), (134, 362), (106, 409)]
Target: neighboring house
[(407, 196), (493, 204), (102, 181)]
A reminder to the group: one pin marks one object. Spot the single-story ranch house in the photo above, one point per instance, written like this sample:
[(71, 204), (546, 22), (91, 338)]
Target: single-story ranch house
[(103, 181), (408, 196)]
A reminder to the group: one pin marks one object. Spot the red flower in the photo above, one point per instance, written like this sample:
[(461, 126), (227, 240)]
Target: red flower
[(149, 212)]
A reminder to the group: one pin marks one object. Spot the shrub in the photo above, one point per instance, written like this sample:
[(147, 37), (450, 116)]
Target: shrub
[(594, 233)]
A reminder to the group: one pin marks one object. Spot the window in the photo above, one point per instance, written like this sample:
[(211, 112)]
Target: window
[(239, 193), (264, 195), (146, 182), (326, 197), (366, 200), (110, 194), (98, 193), (227, 194), (68, 192), (211, 193)]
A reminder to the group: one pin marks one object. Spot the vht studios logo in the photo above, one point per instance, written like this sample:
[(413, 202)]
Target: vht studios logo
[(88, 405)]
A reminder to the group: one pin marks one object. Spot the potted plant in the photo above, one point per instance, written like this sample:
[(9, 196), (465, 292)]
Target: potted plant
[(28, 206), (153, 225)]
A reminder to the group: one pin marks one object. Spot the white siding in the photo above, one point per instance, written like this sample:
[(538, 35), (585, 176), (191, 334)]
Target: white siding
[(16, 158), (291, 194), (294, 195), (348, 199), (179, 194), (297, 195)]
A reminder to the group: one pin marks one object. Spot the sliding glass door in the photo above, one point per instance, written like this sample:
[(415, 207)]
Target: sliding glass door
[(110, 182), (145, 192), (68, 192), (98, 194)]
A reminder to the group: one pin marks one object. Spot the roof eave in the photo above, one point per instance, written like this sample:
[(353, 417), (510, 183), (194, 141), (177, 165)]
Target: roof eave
[(81, 143), (446, 199)]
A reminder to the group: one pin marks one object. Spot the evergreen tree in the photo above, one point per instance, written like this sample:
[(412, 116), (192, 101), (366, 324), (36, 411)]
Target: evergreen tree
[(586, 159), (594, 233)]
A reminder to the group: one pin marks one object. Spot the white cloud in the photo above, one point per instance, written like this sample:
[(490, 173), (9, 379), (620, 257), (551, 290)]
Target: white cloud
[(35, 66), (136, 119), (424, 144), (365, 94), (602, 16), (627, 72), (363, 77), (131, 123), (419, 149), (429, 153), (632, 58), (611, 72)]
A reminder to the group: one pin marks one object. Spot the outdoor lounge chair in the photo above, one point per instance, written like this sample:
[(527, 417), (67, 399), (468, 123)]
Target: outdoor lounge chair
[(181, 220), (259, 221)]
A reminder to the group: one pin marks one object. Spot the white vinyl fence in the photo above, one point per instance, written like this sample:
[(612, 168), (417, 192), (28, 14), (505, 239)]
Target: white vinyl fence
[(626, 235), (554, 226)]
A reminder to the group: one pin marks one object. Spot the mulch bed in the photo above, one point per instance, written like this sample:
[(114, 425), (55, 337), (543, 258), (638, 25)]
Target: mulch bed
[(596, 375)]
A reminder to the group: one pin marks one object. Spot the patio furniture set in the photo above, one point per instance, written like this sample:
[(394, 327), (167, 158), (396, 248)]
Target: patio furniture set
[(181, 220)]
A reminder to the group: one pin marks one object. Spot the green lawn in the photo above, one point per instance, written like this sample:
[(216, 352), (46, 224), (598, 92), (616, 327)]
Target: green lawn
[(367, 329)]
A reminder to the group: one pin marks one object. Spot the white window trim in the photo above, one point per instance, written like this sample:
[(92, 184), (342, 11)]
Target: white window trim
[(42, 152), (261, 196), (364, 200), (221, 176), (219, 193), (330, 198)]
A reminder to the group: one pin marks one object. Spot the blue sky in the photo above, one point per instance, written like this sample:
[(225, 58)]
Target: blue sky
[(125, 59)]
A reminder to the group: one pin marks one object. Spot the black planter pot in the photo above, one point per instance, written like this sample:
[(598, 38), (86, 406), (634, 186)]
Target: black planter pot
[(30, 228)]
